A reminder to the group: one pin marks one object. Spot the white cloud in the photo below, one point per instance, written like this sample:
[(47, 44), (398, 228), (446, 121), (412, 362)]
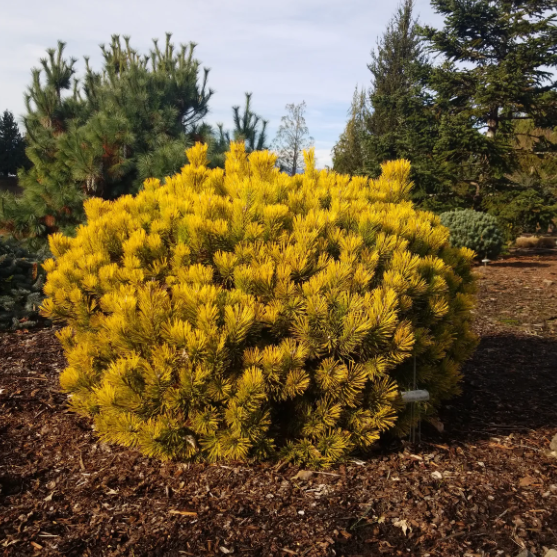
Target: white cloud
[(324, 158)]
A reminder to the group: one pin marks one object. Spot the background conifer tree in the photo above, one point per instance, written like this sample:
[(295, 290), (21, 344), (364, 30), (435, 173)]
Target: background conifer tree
[(400, 121), (349, 154), (104, 135), (403, 123), (12, 145), (248, 127), (396, 66), (497, 71)]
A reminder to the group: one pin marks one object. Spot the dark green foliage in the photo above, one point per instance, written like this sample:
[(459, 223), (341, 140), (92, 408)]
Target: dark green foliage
[(349, 154), (508, 47), (477, 231), (462, 122), (531, 210), (248, 127), (398, 67), (103, 135), (530, 205), (398, 120), (496, 70), (21, 282), (12, 146)]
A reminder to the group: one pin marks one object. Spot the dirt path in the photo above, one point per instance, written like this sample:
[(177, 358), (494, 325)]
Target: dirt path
[(483, 487)]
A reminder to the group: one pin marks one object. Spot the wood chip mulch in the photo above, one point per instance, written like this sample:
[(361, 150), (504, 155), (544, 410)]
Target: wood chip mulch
[(485, 486)]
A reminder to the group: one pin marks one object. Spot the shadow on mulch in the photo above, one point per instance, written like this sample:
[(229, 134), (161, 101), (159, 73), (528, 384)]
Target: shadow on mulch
[(519, 264), (509, 387)]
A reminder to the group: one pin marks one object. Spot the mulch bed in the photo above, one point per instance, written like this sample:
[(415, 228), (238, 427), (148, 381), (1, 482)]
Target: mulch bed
[(485, 486)]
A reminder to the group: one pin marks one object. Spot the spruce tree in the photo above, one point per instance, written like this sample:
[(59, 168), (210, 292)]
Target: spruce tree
[(497, 70), (12, 145), (349, 154), (400, 121), (395, 67), (403, 123), (103, 135)]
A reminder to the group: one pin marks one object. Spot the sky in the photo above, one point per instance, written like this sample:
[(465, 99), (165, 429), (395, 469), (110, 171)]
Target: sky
[(284, 52)]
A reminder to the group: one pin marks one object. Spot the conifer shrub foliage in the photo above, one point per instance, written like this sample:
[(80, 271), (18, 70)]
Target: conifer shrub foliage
[(243, 313), (21, 283), (477, 231)]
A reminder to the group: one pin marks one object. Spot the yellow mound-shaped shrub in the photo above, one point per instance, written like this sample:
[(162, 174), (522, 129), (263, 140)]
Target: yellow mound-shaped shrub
[(246, 313)]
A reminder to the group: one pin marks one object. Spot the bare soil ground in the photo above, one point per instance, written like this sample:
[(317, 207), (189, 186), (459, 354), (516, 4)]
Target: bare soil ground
[(486, 486)]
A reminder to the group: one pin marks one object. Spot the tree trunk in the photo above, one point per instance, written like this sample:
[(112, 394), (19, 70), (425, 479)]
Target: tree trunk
[(295, 159), (493, 122)]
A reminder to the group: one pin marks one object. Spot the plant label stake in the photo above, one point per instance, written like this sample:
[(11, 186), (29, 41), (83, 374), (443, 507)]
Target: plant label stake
[(414, 397)]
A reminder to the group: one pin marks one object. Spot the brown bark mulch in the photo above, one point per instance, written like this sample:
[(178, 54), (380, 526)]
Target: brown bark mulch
[(485, 486)]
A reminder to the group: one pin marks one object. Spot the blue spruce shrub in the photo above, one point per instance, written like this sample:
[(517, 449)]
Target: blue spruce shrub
[(474, 230)]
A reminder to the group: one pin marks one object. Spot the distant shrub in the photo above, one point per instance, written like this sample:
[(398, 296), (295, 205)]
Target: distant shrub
[(522, 212), (245, 313), (477, 231), (21, 282), (539, 242)]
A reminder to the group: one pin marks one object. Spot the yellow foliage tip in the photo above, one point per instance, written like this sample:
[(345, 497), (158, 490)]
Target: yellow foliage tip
[(197, 155)]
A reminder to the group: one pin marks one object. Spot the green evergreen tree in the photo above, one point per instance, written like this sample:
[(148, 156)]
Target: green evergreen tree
[(104, 135), (21, 285), (497, 70), (349, 154), (395, 66), (248, 127), (530, 205), (401, 121), (49, 194), (12, 145)]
